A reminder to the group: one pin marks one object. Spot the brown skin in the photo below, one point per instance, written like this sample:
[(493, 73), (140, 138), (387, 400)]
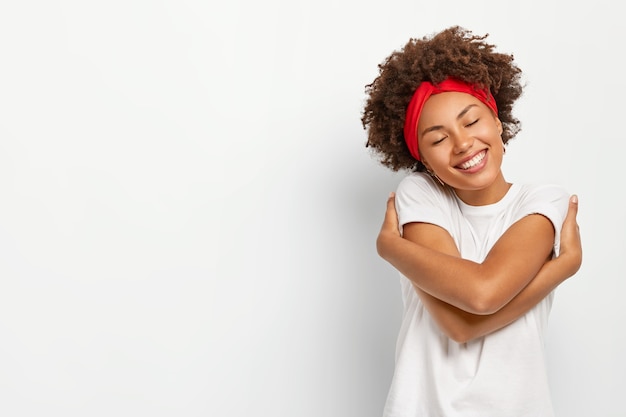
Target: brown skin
[(428, 257), (461, 128), (454, 52), (459, 138), (459, 324), (509, 282)]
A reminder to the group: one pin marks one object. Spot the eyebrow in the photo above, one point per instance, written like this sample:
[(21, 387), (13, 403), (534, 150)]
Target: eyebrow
[(459, 116)]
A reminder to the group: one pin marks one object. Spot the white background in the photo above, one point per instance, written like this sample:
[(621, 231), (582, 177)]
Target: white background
[(188, 210)]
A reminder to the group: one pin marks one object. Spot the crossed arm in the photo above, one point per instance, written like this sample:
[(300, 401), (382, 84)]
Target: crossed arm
[(493, 293)]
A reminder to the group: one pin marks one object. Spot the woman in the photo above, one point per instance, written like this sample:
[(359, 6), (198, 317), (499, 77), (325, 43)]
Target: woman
[(477, 254)]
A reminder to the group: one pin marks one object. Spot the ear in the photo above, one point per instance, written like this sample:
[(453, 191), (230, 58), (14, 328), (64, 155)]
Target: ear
[(499, 125)]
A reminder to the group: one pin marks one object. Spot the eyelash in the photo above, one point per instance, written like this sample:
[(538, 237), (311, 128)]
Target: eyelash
[(467, 125)]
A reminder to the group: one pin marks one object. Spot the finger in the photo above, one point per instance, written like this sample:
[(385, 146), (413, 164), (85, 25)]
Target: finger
[(391, 202), (572, 209), (390, 221)]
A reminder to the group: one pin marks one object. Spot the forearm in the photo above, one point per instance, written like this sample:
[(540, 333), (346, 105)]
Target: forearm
[(428, 269), (462, 326), (427, 256)]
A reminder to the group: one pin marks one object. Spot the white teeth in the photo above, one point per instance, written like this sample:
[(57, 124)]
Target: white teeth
[(473, 162)]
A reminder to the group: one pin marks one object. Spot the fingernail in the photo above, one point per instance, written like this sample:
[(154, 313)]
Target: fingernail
[(574, 199)]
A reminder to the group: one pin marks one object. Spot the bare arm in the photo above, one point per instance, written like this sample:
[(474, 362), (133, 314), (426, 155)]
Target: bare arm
[(462, 326), (486, 287)]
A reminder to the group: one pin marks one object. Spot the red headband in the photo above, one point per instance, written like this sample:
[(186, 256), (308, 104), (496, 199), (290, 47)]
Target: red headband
[(427, 89)]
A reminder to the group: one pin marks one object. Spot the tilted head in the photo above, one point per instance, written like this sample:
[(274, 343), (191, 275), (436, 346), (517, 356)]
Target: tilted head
[(428, 64)]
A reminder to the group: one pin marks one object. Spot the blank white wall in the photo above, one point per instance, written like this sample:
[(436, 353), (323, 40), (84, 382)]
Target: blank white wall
[(188, 211)]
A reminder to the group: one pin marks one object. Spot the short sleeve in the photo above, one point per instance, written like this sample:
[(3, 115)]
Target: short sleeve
[(420, 199), (550, 201)]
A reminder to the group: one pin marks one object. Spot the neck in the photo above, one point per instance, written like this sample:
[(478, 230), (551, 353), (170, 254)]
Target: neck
[(489, 195)]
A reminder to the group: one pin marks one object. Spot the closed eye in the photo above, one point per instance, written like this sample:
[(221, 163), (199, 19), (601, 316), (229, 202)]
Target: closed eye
[(473, 123), (439, 141)]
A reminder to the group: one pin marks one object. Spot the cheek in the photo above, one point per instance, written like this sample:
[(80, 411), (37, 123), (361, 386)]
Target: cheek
[(434, 154), (436, 158), (487, 131), (489, 135)]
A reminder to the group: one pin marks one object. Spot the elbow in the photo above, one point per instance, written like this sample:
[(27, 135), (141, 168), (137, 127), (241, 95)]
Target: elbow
[(486, 301), (483, 307), (460, 328), (382, 244)]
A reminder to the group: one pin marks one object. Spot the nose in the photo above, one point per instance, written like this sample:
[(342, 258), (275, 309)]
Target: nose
[(463, 142)]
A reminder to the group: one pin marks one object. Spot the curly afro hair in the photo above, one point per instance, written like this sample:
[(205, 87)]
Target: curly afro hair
[(454, 52)]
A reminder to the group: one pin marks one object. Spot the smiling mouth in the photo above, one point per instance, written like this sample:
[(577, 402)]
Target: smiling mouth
[(473, 162)]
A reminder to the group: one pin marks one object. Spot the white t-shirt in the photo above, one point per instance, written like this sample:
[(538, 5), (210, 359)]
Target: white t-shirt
[(502, 374)]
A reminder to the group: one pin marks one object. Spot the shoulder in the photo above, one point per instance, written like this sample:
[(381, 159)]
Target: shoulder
[(544, 191), (419, 189), (416, 179), (420, 199), (420, 185), (550, 200), (548, 194)]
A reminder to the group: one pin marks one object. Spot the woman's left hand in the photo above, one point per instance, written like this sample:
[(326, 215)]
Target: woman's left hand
[(389, 229)]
